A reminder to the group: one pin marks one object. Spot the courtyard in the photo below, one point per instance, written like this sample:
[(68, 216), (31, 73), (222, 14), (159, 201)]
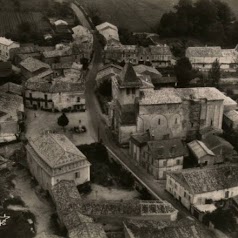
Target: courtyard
[(38, 121)]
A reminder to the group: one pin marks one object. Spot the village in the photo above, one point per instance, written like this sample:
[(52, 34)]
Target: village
[(103, 136)]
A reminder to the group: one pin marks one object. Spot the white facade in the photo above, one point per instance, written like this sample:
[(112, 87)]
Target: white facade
[(5, 46)]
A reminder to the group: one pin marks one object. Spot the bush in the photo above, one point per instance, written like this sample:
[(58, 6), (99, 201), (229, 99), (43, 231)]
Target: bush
[(84, 188)]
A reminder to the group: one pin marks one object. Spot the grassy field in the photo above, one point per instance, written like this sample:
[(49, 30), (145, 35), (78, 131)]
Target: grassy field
[(142, 15), (9, 21)]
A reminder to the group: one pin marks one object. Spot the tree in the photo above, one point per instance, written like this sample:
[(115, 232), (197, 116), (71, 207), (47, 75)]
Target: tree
[(63, 120), (183, 71), (215, 73)]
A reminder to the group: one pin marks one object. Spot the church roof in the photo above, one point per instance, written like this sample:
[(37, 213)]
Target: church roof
[(128, 77)]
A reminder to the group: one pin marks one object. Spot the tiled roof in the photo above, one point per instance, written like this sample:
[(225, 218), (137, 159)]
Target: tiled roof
[(12, 88), (206, 51), (56, 150), (141, 138), (10, 104), (32, 64), (5, 41), (105, 25), (209, 179), (162, 96), (141, 68), (88, 230), (165, 149), (183, 228), (177, 95), (232, 115), (128, 77), (126, 208), (160, 50), (58, 52), (117, 67), (68, 204), (55, 87), (199, 149), (38, 77)]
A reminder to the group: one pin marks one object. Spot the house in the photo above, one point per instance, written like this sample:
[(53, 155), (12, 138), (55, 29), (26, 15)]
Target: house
[(158, 56), (19, 54), (157, 157), (53, 157), (223, 150), (31, 67), (67, 200), (5, 69), (82, 34), (199, 189), (67, 53), (12, 88), (108, 30), (231, 120), (62, 30), (183, 228), (57, 95), (5, 46), (106, 71), (202, 58), (202, 154), (11, 117)]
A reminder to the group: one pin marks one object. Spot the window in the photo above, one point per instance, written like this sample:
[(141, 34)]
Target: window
[(78, 99), (159, 121), (77, 175), (227, 194), (133, 91), (164, 163), (127, 91), (185, 194), (176, 120), (177, 162), (211, 122)]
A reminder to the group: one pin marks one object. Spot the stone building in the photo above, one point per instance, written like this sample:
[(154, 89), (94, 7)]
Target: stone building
[(167, 113), (157, 157), (53, 157), (198, 189), (11, 117), (5, 46), (158, 56), (231, 120), (31, 67), (57, 95), (108, 30), (202, 58)]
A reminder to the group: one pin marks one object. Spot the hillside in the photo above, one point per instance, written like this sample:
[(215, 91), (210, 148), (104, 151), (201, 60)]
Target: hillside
[(142, 15)]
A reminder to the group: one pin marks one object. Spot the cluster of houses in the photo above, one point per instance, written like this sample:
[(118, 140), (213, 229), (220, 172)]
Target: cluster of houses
[(174, 133)]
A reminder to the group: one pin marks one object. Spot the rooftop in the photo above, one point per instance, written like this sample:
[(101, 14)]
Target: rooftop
[(105, 25), (232, 115), (165, 149), (56, 150), (199, 149), (206, 51), (5, 41), (128, 77), (141, 138), (141, 68), (177, 95), (32, 64), (12, 88), (209, 179), (10, 105), (184, 228)]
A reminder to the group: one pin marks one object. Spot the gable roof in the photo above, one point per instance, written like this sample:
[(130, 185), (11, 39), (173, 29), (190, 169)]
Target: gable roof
[(208, 179), (232, 115), (32, 64), (128, 77), (166, 149), (56, 150), (199, 149), (12, 88), (207, 51), (105, 25)]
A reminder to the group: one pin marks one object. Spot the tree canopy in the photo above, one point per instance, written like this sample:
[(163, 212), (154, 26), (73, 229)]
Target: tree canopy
[(63, 120), (210, 21), (215, 73)]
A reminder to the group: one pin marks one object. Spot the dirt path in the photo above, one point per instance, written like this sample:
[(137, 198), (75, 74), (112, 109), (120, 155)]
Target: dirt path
[(39, 207)]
